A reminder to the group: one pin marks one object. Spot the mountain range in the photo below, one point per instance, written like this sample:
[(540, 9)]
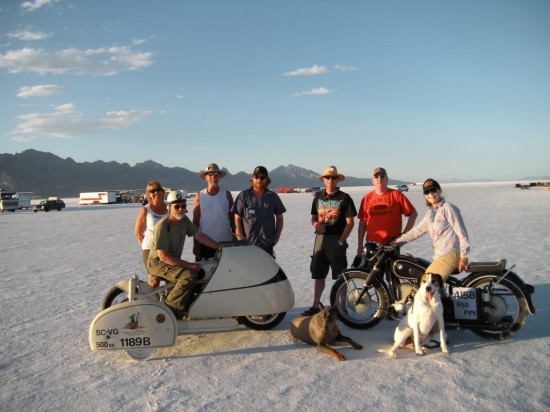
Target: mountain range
[(46, 174)]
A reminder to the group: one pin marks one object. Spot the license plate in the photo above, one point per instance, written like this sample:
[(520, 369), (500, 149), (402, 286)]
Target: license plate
[(465, 303)]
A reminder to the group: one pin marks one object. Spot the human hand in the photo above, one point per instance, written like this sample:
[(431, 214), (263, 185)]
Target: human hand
[(463, 264)]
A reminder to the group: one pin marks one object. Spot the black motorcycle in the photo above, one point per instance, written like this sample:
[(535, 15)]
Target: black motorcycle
[(490, 300)]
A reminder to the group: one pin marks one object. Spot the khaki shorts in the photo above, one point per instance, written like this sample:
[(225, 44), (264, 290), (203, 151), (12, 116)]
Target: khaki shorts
[(444, 265)]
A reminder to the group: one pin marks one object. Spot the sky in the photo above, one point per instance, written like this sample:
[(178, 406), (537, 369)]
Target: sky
[(442, 89)]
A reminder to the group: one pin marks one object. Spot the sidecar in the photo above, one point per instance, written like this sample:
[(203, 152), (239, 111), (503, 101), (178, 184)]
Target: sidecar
[(243, 285)]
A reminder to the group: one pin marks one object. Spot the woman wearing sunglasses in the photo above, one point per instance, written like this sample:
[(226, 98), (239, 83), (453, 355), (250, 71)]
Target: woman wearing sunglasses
[(147, 217), (444, 223)]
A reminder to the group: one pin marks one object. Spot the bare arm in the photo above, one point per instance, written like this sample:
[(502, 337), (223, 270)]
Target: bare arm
[(139, 227), (239, 232), (206, 240), (347, 229), (410, 221), (167, 258), (197, 210)]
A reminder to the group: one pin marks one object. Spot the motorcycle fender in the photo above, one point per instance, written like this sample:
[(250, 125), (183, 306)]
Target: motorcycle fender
[(525, 289), (132, 325)]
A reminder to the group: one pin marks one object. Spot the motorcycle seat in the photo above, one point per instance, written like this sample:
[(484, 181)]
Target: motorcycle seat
[(487, 266)]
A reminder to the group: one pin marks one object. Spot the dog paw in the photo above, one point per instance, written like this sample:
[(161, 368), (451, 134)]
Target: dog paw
[(423, 350)]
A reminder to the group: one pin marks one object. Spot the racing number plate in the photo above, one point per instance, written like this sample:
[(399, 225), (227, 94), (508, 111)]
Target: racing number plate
[(465, 303)]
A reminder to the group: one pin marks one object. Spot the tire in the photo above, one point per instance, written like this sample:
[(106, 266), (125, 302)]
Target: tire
[(114, 297), (507, 305), (262, 322), (369, 311), (140, 354)]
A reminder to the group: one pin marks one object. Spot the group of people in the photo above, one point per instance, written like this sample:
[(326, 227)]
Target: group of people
[(256, 215)]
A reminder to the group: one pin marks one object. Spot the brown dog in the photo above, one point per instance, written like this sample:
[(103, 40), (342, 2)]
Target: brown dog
[(321, 330)]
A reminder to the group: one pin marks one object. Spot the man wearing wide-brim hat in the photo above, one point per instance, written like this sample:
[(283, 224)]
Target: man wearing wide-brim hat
[(332, 213), (211, 211)]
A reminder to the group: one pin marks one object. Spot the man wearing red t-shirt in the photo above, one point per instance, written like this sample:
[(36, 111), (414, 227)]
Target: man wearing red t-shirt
[(380, 212)]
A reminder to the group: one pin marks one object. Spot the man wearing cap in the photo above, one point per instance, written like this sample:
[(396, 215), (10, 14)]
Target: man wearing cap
[(332, 213), (164, 259), (381, 211), (259, 212), (211, 211)]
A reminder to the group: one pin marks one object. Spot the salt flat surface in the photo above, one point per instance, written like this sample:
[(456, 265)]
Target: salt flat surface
[(56, 267)]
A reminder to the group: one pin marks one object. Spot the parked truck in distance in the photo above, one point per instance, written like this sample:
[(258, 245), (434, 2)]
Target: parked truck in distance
[(8, 201), (24, 200), (98, 198)]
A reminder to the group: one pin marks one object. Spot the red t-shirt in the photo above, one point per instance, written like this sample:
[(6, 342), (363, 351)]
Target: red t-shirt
[(382, 214)]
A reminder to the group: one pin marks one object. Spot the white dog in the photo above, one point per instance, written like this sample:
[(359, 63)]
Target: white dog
[(423, 318)]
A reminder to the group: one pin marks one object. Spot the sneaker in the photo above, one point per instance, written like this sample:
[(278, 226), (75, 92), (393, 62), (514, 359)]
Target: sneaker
[(310, 312)]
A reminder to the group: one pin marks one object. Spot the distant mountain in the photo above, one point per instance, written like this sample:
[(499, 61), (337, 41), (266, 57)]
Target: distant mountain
[(46, 174)]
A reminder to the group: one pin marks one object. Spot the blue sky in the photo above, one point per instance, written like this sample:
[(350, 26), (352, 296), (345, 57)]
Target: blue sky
[(443, 89)]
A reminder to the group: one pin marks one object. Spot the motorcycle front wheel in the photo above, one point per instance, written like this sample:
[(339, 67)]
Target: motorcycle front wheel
[(366, 312), (114, 296), (262, 322), (507, 306)]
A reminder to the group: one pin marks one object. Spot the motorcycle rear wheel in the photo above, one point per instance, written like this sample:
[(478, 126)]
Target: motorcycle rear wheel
[(507, 305), (359, 315), (262, 322)]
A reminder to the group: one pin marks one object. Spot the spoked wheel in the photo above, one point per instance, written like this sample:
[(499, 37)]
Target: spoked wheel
[(114, 296), (262, 322), (140, 354), (358, 313), (507, 307)]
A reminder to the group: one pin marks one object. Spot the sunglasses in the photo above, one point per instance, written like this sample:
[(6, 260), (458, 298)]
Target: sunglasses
[(213, 174), (379, 176), (428, 191), (179, 206), (260, 177), (156, 190), (330, 177)]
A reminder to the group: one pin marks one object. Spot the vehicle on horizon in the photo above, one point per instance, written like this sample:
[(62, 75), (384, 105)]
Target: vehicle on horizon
[(50, 204), (402, 188), (8, 201)]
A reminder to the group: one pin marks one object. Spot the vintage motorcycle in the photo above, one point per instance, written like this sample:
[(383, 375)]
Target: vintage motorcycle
[(491, 301), (241, 285)]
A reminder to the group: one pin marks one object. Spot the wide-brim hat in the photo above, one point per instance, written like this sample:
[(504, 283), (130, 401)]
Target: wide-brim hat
[(331, 171), (211, 168)]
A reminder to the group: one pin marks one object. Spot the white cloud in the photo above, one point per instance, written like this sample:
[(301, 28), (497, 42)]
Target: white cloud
[(23, 139), (40, 90), (308, 71), (36, 4), (96, 62), (66, 121), (314, 92), (342, 68), (28, 35)]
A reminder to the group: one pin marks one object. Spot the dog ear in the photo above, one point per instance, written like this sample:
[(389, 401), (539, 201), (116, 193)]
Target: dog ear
[(439, 279)]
